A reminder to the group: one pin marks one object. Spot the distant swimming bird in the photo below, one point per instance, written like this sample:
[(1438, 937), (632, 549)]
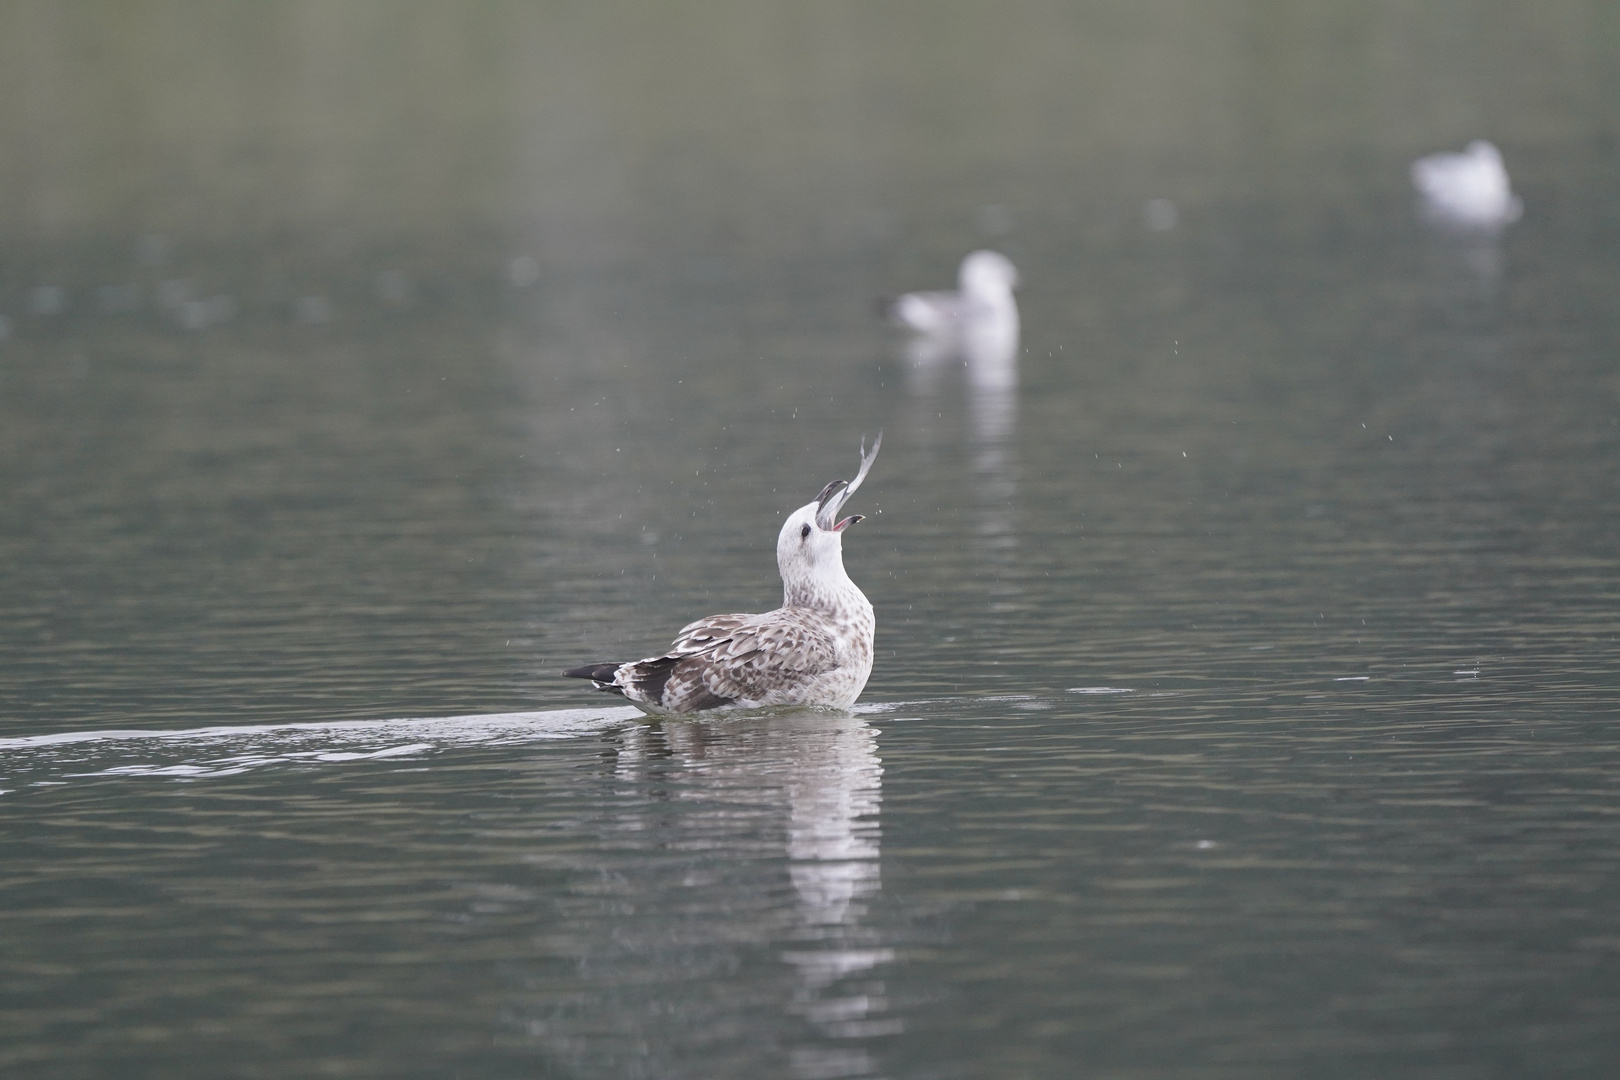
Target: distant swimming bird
[(1468, 190), (816, 649), (986, 280)]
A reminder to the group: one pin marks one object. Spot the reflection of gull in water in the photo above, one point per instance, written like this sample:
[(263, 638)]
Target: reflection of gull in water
[(822, 768), (822, 774), (816, 649), (1466, 267), (833, 845), (979, 327), (990, 355), (833, 800), (1469, 190)]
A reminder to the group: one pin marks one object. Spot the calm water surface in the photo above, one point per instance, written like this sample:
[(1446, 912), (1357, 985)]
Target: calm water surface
[(1245, 698)]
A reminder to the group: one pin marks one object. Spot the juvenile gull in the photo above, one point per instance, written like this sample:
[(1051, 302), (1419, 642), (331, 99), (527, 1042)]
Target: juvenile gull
[(816, 649)]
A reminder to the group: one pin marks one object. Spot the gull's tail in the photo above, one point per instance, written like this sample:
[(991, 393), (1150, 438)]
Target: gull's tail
[(601, 674)]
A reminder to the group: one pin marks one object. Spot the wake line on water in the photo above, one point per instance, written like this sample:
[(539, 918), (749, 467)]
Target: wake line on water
[(194, 752), (556, 724), (229, 749)]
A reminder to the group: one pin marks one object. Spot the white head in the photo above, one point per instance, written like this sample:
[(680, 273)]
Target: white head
[(810, 549), (987, 274), (1485, 153)]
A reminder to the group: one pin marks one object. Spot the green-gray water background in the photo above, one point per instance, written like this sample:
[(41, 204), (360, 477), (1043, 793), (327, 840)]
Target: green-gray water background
[(1246, 682)]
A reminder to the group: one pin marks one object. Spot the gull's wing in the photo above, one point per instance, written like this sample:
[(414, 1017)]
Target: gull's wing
[(707, 634), (928, 312), (725, 659)]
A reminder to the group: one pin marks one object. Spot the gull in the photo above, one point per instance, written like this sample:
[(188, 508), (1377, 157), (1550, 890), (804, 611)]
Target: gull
[(816, 649), (985, 296), (977, 325), (1469, 190)]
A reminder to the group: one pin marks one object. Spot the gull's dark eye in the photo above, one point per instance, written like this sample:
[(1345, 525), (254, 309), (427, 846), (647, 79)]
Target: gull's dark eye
[(804, 533)]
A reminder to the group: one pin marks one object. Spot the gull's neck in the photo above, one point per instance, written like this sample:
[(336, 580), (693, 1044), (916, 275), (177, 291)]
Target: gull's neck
[(828, 590), (990, 299)]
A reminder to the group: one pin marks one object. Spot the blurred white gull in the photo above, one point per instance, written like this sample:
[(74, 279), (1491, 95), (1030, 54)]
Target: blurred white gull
[(1469, 190), (986, 279), (816, 649)]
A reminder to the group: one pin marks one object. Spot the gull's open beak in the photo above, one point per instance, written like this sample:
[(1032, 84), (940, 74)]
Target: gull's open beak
[(835, 494), (831, 498)]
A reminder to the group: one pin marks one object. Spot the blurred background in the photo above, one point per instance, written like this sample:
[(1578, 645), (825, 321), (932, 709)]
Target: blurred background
[(320, 319), (369, 360)]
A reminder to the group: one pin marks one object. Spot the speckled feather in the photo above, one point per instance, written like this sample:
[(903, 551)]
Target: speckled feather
[(780, 657)]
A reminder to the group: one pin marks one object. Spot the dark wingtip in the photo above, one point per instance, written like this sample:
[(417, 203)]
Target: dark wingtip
[(602, 673)]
